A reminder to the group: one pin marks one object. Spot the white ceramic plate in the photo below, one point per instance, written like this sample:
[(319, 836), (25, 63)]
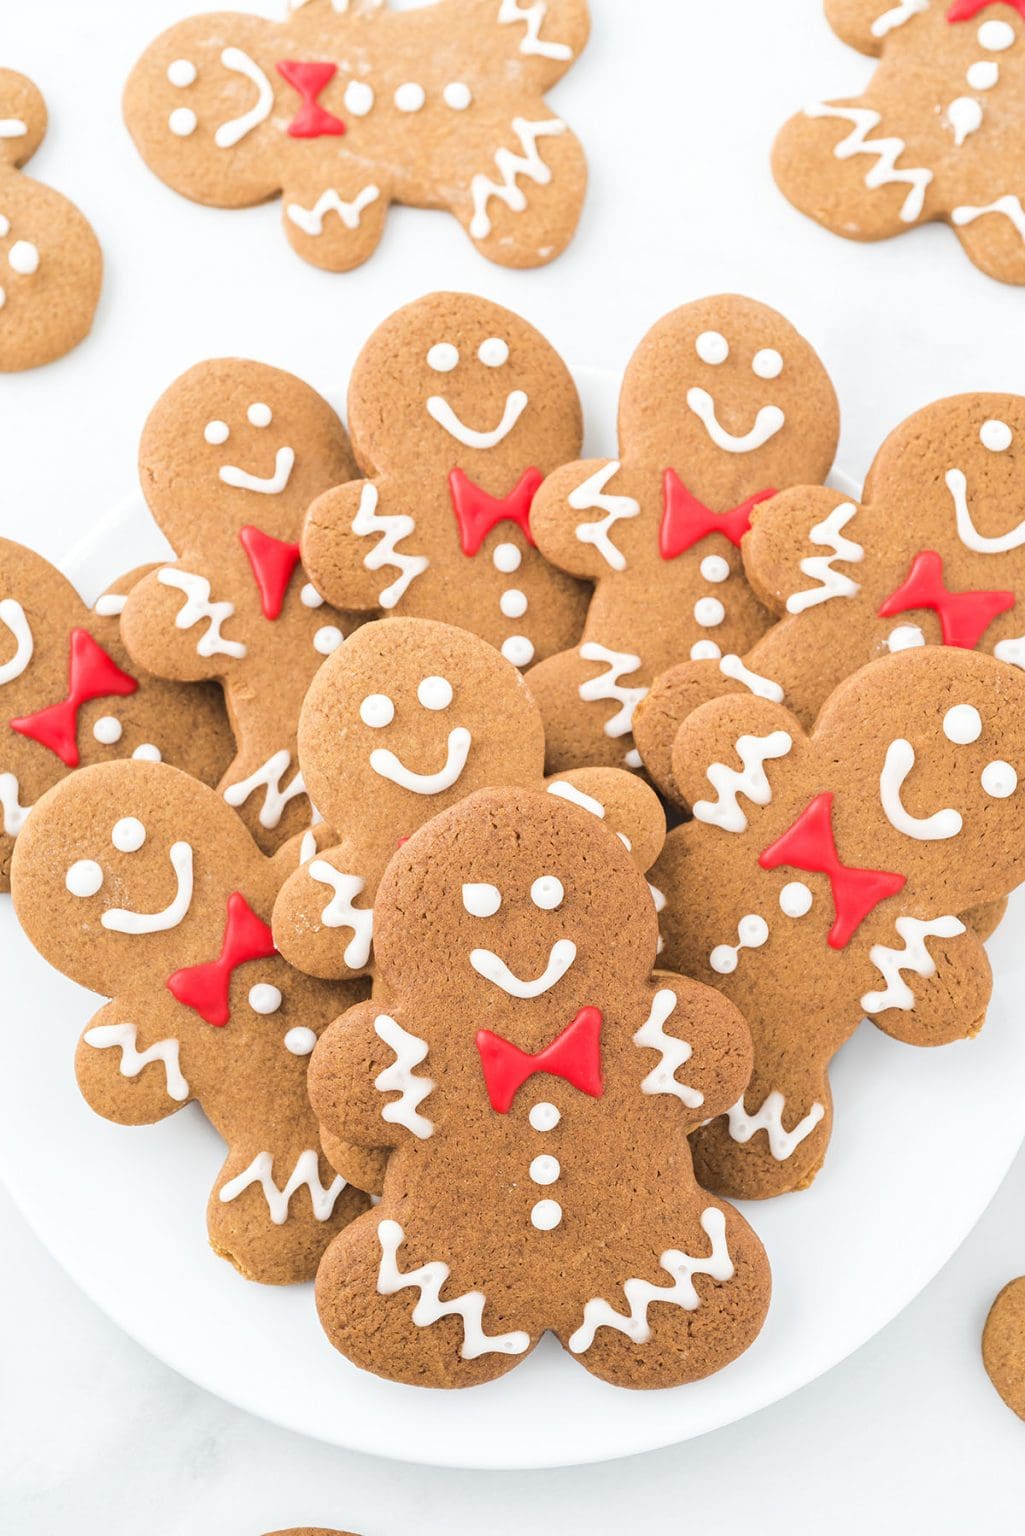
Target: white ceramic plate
[(922, 1140)]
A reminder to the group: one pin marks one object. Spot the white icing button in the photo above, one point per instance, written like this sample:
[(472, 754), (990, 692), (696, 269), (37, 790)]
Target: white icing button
[(996, 436), (259, 414), (377, 710), (547, 893), (513, 603), (507, 558), (147, 753), (481, 900), (359, 98), (300, 1041), (181, 72), (983, 75), (753, 931), (182, 121), (767, 363), (962, 724), (410, 97), (443, 357), (107, 730), (84, 878), (904, 638), (435, 692), (519, 650), (715, 568), (708, 611), (996, 36), (723, 960), (705, 650), (263, 998), (712, 348), (493, 353), (795, 899), (545, 1169), (23, 257), (128, 834), (457, 96), (999, 780), (546, 1215), (216, 432), (544, 1116), (310, 597), (327, 639)]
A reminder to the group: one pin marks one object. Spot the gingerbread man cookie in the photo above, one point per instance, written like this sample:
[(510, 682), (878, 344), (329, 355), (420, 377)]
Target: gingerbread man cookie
[(723, 402), (231, 456), (70, 695), (528, 1068), (934, 136), (934, 554), (50, 261), (458, 409), (825, 876), (345, 109), (141, 884)]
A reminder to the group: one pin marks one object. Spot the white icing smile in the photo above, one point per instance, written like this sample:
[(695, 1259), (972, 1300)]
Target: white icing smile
[(768, 422), (494, 969), (391, 767), (269, 485), (900, 759), (123, 920), (969, 535), (441, 412)]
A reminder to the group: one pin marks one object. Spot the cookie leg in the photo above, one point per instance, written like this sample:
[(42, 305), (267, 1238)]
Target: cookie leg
[(130, 1072), (522, 205), (774, 1139), (587, 703), (993, 236), (336, 225)]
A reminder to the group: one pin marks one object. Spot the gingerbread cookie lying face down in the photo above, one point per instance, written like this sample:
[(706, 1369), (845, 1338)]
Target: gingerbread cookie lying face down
[(824, 878), (231, 456), (936, 135), (50, 261), (527, 1066), (140, 883), (69, 694), (723, 402), (934, 554), (345, 109), (459, 409)]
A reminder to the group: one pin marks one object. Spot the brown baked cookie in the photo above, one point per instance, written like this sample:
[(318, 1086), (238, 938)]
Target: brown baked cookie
[(231, 455), (50, 261), (346, 108), (935, 135), (1003, 1345), (723, 402), (69, 694), (139, 883), (309, 1530), (458, 409), (537, 1081), (934, 554), (824, 877)]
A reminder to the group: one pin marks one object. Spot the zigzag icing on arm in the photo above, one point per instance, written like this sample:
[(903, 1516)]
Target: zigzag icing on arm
[(897, 15), (103, 1037), (607, 686), (510, 166), (430, 1308), (306, 1171), (820, 567), (532, 16), (754, 752), (340, 912), (400, 1078), (198, 607), (914, 956), (769, 1118), (762, 687), (590, 496), (268, 777), (12, 812), (887, 153), (393, 528), (681, 1269), (673, 1052)]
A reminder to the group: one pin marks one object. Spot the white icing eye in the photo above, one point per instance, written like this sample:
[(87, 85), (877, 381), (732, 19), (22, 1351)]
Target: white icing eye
[(996, 436), (715, 568), (327, 639), (962, 724), (216, 432), (259, 414), (147, 753), (128, 834), (767, 363), (435, 693), (410, 97), (310, 597), (300, 1041), (547, 893), (457, 96), (996, 36), (506, 558), (481, 900), (182, 121), (795, 899), (181, 72), (999, 780), (493, 353), (84, 878), (377, 710), (544, 1116), (443, 357), (712, 348), (107, 730), (983, 75), (263, 998), (359, 98)]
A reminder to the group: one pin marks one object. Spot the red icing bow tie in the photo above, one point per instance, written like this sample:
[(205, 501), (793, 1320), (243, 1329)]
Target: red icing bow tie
[(575, 1056), (686, 520), (809, 845), (205, 987), (273, 561), (477, 512), (966, 10), (91, 675), (964, 616), (312, 120)]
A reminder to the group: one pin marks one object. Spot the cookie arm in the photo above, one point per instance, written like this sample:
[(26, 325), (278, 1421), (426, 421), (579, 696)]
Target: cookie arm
[(358, 554), (728, 746), (866, 24), (803, 549), (695, 1045), (129, 1067), (991, 229), (947, 1003), (369, 1080), (672, 697), (574, 515), (623, 801), (323, 917), (176, 626), (542, 41)]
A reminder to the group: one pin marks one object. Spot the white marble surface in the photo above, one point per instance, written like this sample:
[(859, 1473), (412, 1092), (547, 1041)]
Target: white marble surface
[(677, 104)]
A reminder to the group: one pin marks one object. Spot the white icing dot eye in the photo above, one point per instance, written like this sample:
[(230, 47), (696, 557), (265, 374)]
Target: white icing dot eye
[(795, 899), (359, 98), (999, 780), (147, 753), (767, 363), (705, 650), (435, 693), (712, 348), (481, 900), (983, 75), (493, 353), (216, 432), (107, 730), (377, 710), (996, 436), (259, 414), (506, 558), (544, 1116), (300, 1041), (410, 97), (547, 893), (128, 834), (310, 597), (996, 36), (904, 638), (84, 878), (443, 357), (263, 998), (181, 72), (23, 257), (709, 612), (715, 568), (457, 96), (327, 639), (962, 724), (182, 121)]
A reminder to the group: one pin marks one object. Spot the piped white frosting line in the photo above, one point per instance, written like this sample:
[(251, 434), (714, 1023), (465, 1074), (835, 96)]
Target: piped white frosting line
[(768, 422), (388, 766), (494, 969), (440, 411)]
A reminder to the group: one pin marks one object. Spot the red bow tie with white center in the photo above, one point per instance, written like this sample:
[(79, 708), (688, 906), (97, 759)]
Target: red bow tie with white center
[(477, 512), (205, 987), (91, 675), (575, 1056), (686, 520), (964, 616)]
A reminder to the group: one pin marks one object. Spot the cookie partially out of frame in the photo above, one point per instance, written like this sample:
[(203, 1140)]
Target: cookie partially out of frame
[(1003, 1345)]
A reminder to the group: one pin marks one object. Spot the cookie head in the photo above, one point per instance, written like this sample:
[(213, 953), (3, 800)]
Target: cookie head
[(469, 385), (410, 716), (22, 118)]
